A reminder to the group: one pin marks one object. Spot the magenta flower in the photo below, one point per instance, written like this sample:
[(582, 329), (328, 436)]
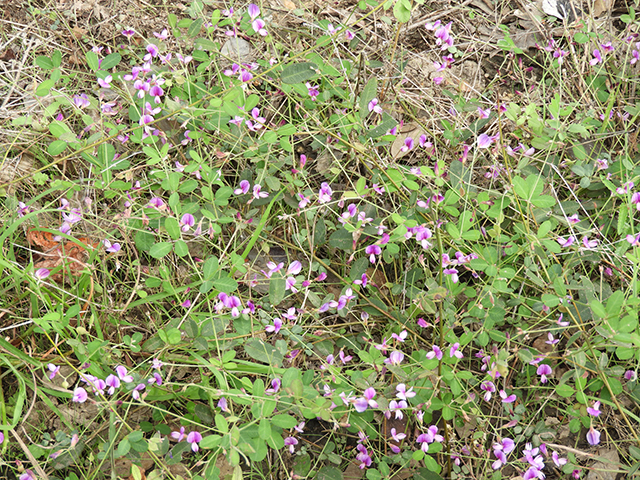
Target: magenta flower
[(257, 193), (258, 26), (222, 403), (559, 462), (121, 371), (408, 144), (435, 353), (374, 107), (595, 410), (324, 195), (593, 436), (80, 395), (597, 58), (128, 33), (243, 189), (395, 358), (28, 475), (112, 382), (111, 247), (489, 389), (291, 442), (275, 328), (41, 273), (485, 141), (362, 403), (543, 370), (566, 242), (105, 82), (633, 241), (507, 399), (81, 101), (54, 370), (162, 35), (589, 244), (186, 222), (454, 352), (194, 438), (372, 251), (630, 375), (403, 393)]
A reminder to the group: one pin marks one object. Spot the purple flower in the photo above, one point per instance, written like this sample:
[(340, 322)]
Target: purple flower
[(362, 403), (630, 375), (589, 244), (81, 101), (435, 353), (258, 26), (41, 274), (105, 82), (194, 438), (244, 188), (559, 462), (374, 107), (80, 395), (54, 369), (597, 58), (595, 410), (162, 35), (291, 442), (178, 436), (128, 33), (186, 222), (324, 195), (507, 399), (403, 393), (275, 328), (121, 371), (593, 436), (408, 144), (489, 389), (566, 242), (485, 141), (395, 358), (111, 247), (372, 251), (112, 382), (454, 352), (28, 475)]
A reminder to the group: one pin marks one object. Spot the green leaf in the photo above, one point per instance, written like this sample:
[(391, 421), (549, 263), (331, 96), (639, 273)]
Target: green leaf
[(92, 60), (298, 72), (44, 62), (383, 127), (45, 87), (565, 390), (110, 61), (160, 250), (342, 239), (329, 473), (225, 284), (598, 309), (543, 201), (369, 92), (210, 267), (181, 248), (194, 28), (56, 147), (263, 352), (284, 421), (402, 10), (264, 429), (277, 290), (173, 227)]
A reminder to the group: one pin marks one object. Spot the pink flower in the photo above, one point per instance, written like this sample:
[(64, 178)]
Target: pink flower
[(80, 395), (54, 369), (374, 107), (593, 436), (595, 410), (403, 393), (194, 438), (257, 193), (435, 353), (253, 10), (325, 193), (372, 251), (41, 274), (275, 328), (178, 436), (543, 370), (291, 442), (121, 371), (395, 358), (566, 242), (507, 399), (454, 352), (362, 403), (186, 222), (485, 141)]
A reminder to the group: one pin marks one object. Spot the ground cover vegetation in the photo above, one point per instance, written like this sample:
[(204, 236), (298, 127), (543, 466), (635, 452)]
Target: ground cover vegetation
[(233, 249)]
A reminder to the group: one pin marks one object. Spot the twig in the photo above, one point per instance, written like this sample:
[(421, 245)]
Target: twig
[(41, 473)]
